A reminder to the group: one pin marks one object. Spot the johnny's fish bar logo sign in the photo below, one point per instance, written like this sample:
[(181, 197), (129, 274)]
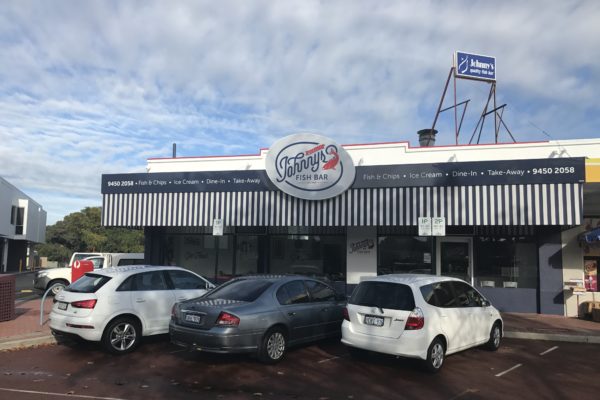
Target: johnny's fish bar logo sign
[(309, 166)]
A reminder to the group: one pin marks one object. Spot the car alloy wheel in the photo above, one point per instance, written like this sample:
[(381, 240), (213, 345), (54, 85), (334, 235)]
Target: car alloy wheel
[(121, 336), (273, 346), (56, 288), (276, 345), (435, 355), (495, 337)]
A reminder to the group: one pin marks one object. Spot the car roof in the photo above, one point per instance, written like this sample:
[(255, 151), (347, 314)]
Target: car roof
[(276, 278), (132, 269), (412, 279)]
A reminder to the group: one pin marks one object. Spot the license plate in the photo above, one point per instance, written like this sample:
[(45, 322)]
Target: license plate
[(62, 306), (373, 320), (193, 318)]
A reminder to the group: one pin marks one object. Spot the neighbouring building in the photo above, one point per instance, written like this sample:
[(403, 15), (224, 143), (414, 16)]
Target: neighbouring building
[(22, 224), (516, 220)]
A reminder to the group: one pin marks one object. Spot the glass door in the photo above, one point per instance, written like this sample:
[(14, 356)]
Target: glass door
[(454, 257)]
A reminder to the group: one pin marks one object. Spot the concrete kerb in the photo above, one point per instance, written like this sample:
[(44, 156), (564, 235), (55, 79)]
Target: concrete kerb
[(26, 341), (556, 337)]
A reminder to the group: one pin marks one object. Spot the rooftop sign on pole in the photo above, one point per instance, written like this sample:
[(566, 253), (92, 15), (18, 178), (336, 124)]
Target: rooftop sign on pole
[(475, 66)]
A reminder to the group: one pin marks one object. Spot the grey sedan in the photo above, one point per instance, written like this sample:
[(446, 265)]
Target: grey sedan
[(259, 314)]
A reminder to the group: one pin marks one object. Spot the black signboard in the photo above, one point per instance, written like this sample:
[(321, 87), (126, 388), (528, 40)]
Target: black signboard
[(505, 172), (552, 170)]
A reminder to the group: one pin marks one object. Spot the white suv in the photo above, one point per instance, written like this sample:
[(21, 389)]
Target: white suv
[(419, 316), (118, 306)]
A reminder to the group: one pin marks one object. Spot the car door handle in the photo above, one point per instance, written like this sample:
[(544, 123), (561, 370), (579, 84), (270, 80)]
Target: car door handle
[(324, 309), (291, 314), (140, 300)]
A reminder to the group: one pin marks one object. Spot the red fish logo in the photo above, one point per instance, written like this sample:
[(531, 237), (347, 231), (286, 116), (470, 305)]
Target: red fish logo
[(333, 162)]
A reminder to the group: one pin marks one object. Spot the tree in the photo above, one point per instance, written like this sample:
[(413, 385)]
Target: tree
[(81, 231)]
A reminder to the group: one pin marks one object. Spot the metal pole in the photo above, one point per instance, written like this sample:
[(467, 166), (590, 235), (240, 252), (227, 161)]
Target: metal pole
[(442, 99), (496, 126), (216, 258), (455, 112)]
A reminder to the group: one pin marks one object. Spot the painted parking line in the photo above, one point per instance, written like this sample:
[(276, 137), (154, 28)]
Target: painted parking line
[(73, 396), (327, 359), (508, 370), (549, 350)]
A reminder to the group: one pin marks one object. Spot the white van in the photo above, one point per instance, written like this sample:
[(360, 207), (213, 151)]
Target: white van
[(58, 278)]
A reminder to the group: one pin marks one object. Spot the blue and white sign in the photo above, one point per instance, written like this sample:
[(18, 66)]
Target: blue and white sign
[(475, 66), (309, 166)]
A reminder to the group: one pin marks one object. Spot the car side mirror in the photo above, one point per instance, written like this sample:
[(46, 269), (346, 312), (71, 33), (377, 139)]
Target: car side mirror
[(485, 303)]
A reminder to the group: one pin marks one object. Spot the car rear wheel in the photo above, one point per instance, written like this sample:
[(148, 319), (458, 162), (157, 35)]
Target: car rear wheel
[(273, 346), (121, 336), (495, 338), (435, 355)]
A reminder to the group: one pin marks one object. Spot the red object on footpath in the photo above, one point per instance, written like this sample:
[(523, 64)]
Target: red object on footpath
[(79, 268)]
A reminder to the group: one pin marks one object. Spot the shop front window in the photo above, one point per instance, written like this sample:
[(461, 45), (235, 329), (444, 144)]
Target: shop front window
[(312, 255), (405, 254), (207, 255), (247, 255), (505, 262)]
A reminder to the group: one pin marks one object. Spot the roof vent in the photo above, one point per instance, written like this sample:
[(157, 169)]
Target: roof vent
[(427, 137)]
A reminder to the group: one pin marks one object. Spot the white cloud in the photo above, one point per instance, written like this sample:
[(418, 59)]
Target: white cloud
[(97, 87)]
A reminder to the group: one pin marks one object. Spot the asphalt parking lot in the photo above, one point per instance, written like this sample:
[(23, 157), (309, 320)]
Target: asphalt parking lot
[(159, 370)]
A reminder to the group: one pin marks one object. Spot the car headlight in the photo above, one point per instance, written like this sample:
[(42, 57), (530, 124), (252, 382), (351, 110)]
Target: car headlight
[(41, 274)]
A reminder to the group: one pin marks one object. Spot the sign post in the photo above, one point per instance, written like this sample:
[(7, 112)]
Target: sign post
[(474, 66), (424, 226), (217, 232), (432, 226), (438, 226)]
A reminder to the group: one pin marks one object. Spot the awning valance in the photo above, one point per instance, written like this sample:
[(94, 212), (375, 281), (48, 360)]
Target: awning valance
[(531, 204)]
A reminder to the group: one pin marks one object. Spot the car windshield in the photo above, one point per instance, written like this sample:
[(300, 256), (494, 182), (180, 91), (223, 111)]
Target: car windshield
[(89, 283), (394, 296), (240, 290)]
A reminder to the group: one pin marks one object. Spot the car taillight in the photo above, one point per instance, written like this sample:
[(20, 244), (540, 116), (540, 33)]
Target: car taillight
[(416, 320), (226, 319), (346, 315), (84, 303), (174, 312)]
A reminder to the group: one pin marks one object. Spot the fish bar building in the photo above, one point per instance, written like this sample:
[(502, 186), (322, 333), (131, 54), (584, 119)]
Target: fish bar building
[(516, 220)]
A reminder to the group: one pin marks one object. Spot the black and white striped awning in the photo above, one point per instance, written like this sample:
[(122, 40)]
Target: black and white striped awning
[(532, 204)]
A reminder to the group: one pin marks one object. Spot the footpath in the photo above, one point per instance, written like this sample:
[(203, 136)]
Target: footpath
[(25, 330)]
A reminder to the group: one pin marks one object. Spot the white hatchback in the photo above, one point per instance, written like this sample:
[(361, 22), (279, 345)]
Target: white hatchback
[(419, 316), (117, 306)]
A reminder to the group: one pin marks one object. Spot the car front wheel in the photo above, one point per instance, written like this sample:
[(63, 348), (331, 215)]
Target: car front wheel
[(495, 338), (435, 355), (56, 287), (273, 346), (121, 336)]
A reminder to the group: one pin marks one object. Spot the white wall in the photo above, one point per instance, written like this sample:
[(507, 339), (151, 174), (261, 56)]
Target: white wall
[(34, 224), (361, 253), (396, 153)]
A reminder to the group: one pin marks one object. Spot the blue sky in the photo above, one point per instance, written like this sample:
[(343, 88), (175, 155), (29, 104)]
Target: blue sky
[(97, 87)]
